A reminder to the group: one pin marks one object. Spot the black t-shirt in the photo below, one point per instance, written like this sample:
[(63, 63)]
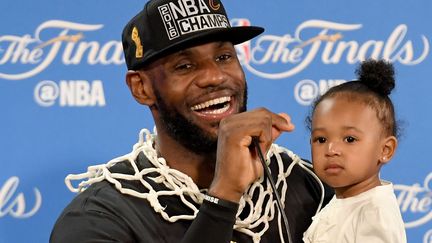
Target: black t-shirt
[(103, 214)]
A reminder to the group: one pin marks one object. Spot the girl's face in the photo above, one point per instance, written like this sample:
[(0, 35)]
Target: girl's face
[(348, 145)]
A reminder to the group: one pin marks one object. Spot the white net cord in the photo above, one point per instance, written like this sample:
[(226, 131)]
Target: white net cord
[(261, 211)]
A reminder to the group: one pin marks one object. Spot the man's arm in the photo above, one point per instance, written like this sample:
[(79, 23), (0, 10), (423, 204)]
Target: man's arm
[(214, 223), (237, 164)]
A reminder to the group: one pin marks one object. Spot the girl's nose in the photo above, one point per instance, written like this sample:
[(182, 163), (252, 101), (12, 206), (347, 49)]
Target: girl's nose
[(333, 149)]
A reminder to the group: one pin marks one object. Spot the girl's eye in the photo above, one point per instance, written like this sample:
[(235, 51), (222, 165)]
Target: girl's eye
[(350, 139), (320, 139)]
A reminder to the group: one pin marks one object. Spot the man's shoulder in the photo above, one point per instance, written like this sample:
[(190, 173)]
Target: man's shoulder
[(99, 196), (102, 205)]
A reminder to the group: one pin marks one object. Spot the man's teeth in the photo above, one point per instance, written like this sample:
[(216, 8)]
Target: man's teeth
[(209, 103)]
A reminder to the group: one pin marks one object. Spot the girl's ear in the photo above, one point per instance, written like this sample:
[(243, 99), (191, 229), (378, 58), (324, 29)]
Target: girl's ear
[(141, 87), (388, 149)]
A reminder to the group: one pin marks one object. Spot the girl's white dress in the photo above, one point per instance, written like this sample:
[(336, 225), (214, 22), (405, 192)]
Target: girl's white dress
[(370, 217)]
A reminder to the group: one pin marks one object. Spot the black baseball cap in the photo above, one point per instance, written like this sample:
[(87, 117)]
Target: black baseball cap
[(167, 26)]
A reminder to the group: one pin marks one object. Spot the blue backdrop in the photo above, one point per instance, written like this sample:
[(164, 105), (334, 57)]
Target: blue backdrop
[(65, 106)]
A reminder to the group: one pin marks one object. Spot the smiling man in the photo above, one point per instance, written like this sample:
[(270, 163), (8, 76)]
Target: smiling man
[(198, 179)]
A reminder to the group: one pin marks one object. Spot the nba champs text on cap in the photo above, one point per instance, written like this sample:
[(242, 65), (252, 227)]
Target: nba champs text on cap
[(166, 26), (188, 18)]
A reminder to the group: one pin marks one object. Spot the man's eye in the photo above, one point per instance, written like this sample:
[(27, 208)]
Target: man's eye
[(223, 57), (183, 66), (350, 139)]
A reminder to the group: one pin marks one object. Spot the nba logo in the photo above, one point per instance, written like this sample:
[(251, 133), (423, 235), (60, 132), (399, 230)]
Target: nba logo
[(243, 49)]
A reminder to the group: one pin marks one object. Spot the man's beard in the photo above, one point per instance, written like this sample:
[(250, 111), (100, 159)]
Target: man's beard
[(185, 131)]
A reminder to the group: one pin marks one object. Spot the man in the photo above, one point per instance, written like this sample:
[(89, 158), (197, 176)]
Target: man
[(199, 179)]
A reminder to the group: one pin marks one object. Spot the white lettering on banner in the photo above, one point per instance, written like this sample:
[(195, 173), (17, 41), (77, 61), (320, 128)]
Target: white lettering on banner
[(428, 237), (72, 93), (306, 91), (417, 200), (39, 54), (299, 53), (15, 204)]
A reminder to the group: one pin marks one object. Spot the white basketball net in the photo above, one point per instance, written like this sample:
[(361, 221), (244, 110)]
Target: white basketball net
[(261, 212)]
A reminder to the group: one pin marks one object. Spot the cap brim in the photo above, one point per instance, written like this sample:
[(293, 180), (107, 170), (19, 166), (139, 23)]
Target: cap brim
[(235, 35)]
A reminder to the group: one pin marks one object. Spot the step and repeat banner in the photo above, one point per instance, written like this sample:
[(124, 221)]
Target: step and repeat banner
[(65, 105)]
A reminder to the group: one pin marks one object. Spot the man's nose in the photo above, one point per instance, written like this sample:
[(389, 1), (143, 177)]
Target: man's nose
[(211, 75)]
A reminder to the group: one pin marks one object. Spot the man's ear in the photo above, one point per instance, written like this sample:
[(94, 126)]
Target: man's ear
[(389, 146), (141, 87)]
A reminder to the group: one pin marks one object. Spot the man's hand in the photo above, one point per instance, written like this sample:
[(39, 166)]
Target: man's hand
[(237, 163)]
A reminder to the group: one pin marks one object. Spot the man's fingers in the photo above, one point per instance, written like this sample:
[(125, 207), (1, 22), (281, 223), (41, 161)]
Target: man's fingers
[(281, 123)]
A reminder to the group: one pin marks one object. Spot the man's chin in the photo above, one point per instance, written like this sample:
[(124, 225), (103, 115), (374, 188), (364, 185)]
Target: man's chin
[(201, 144), (197, 139), (195, 134)]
